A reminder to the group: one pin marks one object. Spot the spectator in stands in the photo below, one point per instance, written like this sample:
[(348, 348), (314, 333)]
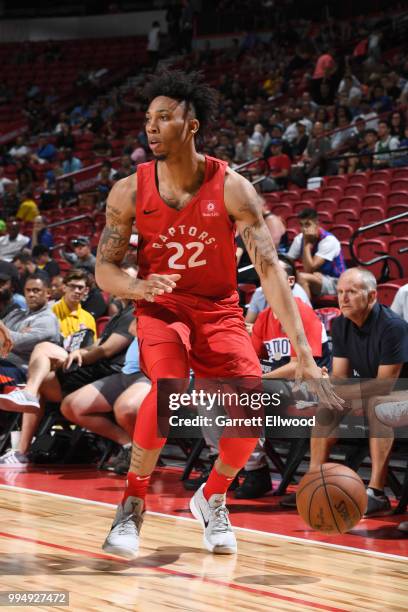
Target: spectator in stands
[(28, 209), (320, 253), (3, 181), (25, 265), (30, 326), (397, 125), (153, 45), (70, 162), (7, 303), (26, 176), (19, 149), (317, 151), (56, 289), (41, 234), (67, 194), (65, 138), (11, 199), (3, 228), (120, 393), (279, 361), (77, 325), (13, 242), (400, 302), (369, 342), (125, 169), (53, 374), (279, 166), (323, 73), (42, 257), (82, 256), (138, 153), (258, 302), (384, 145), (46, 151), (94, 302)]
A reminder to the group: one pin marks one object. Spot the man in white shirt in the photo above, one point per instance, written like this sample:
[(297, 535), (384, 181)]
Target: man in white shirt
[(19, 149), (400, 302), (384, 145), (13, 242), (320, 253)]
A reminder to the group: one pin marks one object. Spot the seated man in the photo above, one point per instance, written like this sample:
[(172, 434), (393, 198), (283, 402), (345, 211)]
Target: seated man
[(258, 302), (278, 361), (320, 253), (120, 393), (29, 327), (369, 342), (47, 379), (78, 326), (7, 304)]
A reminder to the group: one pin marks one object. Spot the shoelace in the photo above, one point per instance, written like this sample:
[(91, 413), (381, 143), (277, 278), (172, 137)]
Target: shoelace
[(220, 521)]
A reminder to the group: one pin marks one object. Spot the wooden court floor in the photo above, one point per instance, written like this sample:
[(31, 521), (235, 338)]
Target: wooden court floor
[(53, 542)]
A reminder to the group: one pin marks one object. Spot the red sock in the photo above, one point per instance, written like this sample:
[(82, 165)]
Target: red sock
[(136, 486), (216, 483)]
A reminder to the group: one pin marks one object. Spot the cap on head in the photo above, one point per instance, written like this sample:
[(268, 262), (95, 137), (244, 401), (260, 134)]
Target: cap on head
[(80, 241)]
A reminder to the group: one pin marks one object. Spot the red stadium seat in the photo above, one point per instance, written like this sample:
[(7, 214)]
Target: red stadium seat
[(400, 184), (332, 192), (349, 202), (400, 228), (386, 292), (325, 218), (381, 175), (397, 197), (347, 215), (282, 208), (289, 196), (292, 222), (359, 178), (342, 231), (373, 199), (370, 248), (327, 316), (354, 190), (378, 187), (371, 214), (400, 173), (297, 207), (326, 205), (395, 245), (101, 323), (310, 194), (336, 181), (246, 290), (396, 209)]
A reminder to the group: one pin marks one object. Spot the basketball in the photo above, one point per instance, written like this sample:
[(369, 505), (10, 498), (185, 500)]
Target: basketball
[(331, 499)]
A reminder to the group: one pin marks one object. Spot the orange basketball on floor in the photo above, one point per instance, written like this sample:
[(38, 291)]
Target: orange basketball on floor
[(331, 499)]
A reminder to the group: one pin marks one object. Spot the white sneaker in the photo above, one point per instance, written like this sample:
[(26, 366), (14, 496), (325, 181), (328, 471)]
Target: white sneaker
[(19, 400), (13, 459), (123, 538), (403, 527), (213, 516)]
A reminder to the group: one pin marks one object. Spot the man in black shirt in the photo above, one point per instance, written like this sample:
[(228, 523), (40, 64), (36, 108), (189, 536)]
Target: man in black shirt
[(370, 341)]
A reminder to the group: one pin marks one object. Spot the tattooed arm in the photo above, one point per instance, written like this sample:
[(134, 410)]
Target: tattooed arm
[(113, 247), (245, 207)]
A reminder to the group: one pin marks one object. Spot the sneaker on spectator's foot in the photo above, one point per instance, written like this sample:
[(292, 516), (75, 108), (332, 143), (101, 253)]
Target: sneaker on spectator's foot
[(256, 484), (123, 538), (288, 501), (213, 516), (403, 527), (377, 505), (13, 459), (122, 463), (19, 400)]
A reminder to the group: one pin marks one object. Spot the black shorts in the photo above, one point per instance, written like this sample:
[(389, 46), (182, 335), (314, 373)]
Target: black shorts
[(72, 381)]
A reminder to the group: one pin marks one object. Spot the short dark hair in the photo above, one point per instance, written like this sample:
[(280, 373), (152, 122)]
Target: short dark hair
[(289, 265), (76, 274), (308, 213), (40, 249), (189, 88), (23, 257), (38, 276)]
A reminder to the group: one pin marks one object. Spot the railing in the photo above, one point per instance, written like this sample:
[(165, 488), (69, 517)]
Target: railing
[(383, 257)]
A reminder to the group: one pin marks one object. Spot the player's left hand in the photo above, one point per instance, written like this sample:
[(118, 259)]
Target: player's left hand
[(318, 382), (6, 343)]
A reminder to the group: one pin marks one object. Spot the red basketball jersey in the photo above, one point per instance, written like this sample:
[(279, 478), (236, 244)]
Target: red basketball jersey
[(196, 242)]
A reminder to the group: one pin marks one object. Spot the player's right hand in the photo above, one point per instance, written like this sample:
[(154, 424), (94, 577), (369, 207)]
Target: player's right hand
[(158, 284)]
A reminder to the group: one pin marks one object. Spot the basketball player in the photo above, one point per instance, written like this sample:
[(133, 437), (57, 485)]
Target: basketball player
[(186, 206)]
